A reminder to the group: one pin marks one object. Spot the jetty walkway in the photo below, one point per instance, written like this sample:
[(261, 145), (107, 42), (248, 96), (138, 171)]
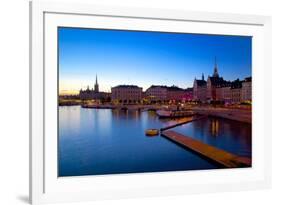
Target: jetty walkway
[(220, 157), (175, 123)]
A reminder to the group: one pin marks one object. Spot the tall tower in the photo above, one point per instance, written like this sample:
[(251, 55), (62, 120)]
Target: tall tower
[(216, 73), (96, 85), (202, 76)]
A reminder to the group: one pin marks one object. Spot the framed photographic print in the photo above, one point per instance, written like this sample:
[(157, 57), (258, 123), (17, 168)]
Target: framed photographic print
[(129, 102)]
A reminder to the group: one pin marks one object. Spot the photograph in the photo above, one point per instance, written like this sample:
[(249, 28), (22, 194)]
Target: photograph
[(134, 101)]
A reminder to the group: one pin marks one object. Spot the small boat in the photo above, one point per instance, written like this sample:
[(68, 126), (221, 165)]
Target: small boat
[(163, 113), (152, 132), (174, 114)]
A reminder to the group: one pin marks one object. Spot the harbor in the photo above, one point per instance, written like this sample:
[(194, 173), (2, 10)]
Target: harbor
[(134, 101), (177, 117), (173, 111), (119, 138), (220, 157)]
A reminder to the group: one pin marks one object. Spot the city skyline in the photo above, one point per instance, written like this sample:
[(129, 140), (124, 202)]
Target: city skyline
[(146, 58)]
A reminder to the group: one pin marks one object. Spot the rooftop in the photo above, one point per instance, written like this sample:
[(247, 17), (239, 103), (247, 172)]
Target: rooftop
[(201, 82), (126, 86), (174, 88), (217, 81), (158, 86), (248, 79), (169, 88), (236, 84)]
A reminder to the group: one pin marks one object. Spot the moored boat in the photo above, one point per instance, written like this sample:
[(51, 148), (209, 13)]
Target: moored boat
[(174, 114), (152, 132)]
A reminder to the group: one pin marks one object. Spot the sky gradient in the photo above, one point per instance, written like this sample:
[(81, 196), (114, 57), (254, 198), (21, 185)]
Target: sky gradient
[(147, 58)]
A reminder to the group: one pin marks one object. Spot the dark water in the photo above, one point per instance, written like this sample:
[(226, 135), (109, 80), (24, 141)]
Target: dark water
[(104, 141), (229, 135)]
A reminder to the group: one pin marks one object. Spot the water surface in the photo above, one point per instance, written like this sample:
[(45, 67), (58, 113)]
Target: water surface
[(104, 141), (229, 135)]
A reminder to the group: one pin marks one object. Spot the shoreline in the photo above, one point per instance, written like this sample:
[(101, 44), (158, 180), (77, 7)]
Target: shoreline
[(240, 115), (231, 114)]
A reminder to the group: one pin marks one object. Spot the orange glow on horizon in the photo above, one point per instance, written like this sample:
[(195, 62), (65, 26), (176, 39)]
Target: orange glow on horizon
[(68, 92)]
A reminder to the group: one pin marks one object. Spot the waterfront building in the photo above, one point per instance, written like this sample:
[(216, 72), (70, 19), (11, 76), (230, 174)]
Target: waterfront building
[(143, 95), (88, 94), (175, 94), (199, 89), (94, 94), (161, 93), (156, 93), (219, 90), (235, 92), (229, 92), (213, 82), (246, 92), (236, 87), (188, 94), (126, 94), (223, 92)]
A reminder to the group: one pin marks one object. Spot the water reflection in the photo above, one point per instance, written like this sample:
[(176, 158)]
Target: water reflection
[(70, 118), (104, 141), (232, 136), (215, 127)]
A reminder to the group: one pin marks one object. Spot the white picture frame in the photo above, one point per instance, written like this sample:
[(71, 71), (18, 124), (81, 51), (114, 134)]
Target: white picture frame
[(46, 187)]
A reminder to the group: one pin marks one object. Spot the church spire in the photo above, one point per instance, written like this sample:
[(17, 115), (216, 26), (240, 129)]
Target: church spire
[(216, 73), (96, 84), (215, 61), (202, 76)]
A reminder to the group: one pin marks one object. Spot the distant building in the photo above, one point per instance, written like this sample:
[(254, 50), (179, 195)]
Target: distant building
[(94, 94), (175, 93), (96, 85), (126, 94), (236, 88), (199, 89), (235, 92), (161, 93), (188, 94), (218, 89), (246, 92), (213, 83), (223, 92), (88, 94), (156, 93)]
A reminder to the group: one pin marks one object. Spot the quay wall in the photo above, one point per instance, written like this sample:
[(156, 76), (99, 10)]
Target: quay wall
[(238, 115)]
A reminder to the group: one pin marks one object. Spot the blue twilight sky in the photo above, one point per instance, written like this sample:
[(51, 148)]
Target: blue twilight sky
[(146, 58)]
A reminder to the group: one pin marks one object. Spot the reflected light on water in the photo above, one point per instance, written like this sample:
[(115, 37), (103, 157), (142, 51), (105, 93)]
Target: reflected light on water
[(215, 127), (69, 117), (105, 141), (229, 135)]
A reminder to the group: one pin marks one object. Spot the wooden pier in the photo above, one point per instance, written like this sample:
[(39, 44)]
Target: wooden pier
[(220, 157), (182, 121)]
